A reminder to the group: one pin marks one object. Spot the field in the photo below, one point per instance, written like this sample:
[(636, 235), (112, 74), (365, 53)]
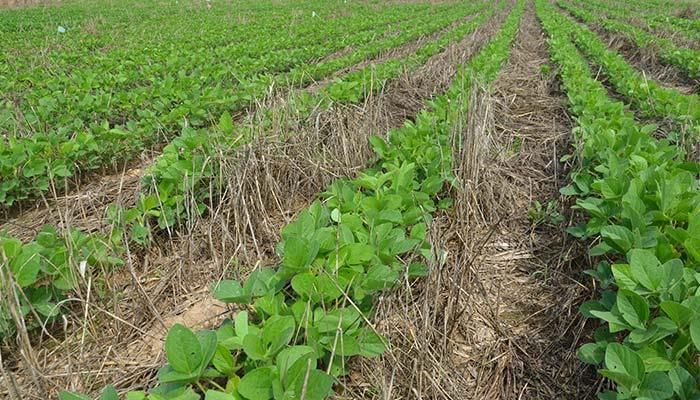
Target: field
[(356, 199)]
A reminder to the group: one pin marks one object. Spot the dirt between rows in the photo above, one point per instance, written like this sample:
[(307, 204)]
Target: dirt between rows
[(19, 3), (117, 338)]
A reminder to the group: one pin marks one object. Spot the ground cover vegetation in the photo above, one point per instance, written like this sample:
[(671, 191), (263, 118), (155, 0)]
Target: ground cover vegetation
[(90, 89)]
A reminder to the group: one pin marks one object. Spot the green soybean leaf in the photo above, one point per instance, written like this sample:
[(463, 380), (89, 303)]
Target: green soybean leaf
[(330, 286), (613, 319), (592, 353), (679, 313), (633, 307), (208, 344), (217, 395), (378, 145), (26, 266), (109, 393), (624, 278), (277, 332), (137, 395), (371, 344), (344, 345), (623, 365), (656, 385), (417, 270), (299, 253), (304, 284), (683, 383), (262, 282), (257, 384), (254, 347), (380, 277), (336, 215), (180, 393), (183, 350), (61, 170), (241, 324), (358, 253), (226, 123), (11, 247), (287, 357), (318, 386), (695, 331), (645, 268), (223, 361), (618, 236), (592, 305), (692, 246), (230, 291), (304, 381)]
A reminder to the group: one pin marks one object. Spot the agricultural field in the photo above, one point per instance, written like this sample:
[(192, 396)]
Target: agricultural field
[(349, 199)]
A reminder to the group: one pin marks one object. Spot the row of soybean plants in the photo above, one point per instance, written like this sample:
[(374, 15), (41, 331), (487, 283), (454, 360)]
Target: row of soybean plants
[(47, 267), (187, 171), (689, 29), (305, 318), (685, 59), (648, 97), (42, 20), (58, 126), (670, 8), (642, 201)]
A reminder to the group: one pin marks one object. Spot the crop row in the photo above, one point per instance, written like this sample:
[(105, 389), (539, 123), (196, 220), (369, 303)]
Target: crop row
[(307, 317), (642, 201), (124, 18), (653, 6), (219, 43), (685, 59), (186, 171), (646, 95), (685, 27), (216, 56), (120, 32), (29, 164)]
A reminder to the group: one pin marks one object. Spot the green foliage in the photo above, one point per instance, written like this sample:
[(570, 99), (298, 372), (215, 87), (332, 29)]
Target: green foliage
[(308, 315), (686, 59), (92, 110), (42, 271), (188, 167), (651, 18), (646, 95), (642, 201)]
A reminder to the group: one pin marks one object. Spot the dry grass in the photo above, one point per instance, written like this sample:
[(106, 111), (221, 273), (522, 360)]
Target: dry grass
[(687, 12), (19, 3), (399, 52)]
